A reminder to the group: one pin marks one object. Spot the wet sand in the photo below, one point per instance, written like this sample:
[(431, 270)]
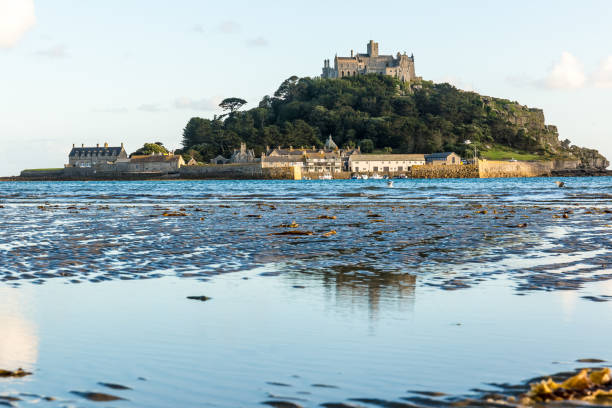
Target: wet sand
[(432, 287)]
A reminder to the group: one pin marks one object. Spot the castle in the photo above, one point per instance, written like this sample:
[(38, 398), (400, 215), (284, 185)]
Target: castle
[(401, 66)]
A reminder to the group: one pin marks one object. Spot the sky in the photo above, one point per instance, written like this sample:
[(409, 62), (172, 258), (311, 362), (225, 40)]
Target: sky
[(135, 71)]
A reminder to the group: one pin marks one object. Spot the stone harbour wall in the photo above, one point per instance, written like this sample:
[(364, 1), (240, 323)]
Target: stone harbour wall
[(236, 171), (444, 171), (495, 169)]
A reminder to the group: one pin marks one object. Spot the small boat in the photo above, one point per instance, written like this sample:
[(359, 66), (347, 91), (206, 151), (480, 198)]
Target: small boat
[(326, 176), (355, 177), (364, 177), (390, 183), (376, 176)]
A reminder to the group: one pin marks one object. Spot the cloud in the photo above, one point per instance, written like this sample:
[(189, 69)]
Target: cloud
[(16, 18), (199, 28), (58, 51), (602, 78), (567, 73), (229, 27), (257, 42), (150, 107), (206, 104)]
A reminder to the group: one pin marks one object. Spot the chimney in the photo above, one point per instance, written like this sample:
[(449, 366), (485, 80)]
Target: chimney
[(122, 145), (351, 53), (106, 144), (82, 144), (73, 145), (97, 144)]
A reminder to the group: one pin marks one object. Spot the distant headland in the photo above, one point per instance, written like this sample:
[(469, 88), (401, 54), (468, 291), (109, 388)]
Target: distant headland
[(368, 108)]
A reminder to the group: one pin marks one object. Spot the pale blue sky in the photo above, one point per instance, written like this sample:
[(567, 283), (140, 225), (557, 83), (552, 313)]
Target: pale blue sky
[(134, 71)]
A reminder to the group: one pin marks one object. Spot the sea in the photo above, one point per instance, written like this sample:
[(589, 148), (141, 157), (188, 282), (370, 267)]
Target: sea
[(332, 293)]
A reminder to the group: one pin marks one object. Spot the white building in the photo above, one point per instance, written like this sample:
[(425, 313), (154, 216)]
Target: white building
[(384, 163)]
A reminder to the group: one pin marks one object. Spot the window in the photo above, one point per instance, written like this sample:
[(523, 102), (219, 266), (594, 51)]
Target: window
[(375, 168), (400, 168), (453, 160)]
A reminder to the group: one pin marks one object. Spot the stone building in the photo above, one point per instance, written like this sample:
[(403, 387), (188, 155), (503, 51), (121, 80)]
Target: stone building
[(443, 158), (86, 157), (164, 163), (384, 163), (242, 155), (401, 66), (330, 159)]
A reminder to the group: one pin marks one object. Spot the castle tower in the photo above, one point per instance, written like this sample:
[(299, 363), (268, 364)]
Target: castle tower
[(372, 49)]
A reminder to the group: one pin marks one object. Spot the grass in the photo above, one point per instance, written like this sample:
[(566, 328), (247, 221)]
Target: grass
[(501, 153), (44, 169)]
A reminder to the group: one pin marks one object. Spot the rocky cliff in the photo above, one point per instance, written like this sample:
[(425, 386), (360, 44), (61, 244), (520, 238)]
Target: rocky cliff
[(532, 124)]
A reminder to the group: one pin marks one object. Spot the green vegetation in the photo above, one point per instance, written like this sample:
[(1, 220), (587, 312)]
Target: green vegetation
[(505, 153), (52, 169), (151, 148), (377, 113)]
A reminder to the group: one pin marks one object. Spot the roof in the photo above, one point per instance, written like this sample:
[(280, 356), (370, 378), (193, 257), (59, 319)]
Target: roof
[(294, 152), (321, 155), (282, 159), (387, 157), (106, 151), (439, 155), (330, 144), (154, 158)]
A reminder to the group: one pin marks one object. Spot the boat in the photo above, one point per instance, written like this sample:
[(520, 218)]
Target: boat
[(376, 176), (326, 176), (355, 177), (364, 177), (390, 183)]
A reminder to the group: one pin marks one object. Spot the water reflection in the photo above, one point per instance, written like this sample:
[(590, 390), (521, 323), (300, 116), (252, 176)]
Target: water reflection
[(353, 286), (19, 338)]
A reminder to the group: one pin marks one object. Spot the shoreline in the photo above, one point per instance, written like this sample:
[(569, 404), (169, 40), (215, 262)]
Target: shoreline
[(554, 174)]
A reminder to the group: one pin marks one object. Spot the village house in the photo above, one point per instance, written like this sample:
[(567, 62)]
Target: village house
[(86, 157), (385, 163), (242, 155), (329, 159), (443, 158), (164, 163)]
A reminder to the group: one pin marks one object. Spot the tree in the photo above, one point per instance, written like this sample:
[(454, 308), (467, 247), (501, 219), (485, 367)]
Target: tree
[(151, 148), (232, 104), (366, 146)]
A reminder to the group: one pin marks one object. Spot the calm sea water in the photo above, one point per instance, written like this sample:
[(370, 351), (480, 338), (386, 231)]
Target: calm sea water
[(432, 285)]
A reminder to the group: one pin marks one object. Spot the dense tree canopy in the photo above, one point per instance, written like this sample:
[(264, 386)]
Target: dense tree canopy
[(150, 148), (372, 111)]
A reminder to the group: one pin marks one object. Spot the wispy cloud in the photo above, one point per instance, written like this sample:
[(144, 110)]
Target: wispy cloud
[(567, 73), (199, 28), (57, 51), (205, 104), (16, 18), (151, 107), (602, 78), (257, 42), (229, 27)]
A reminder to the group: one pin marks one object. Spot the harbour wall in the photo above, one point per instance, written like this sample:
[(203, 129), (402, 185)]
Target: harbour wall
[(484, 169), (431, 171)]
